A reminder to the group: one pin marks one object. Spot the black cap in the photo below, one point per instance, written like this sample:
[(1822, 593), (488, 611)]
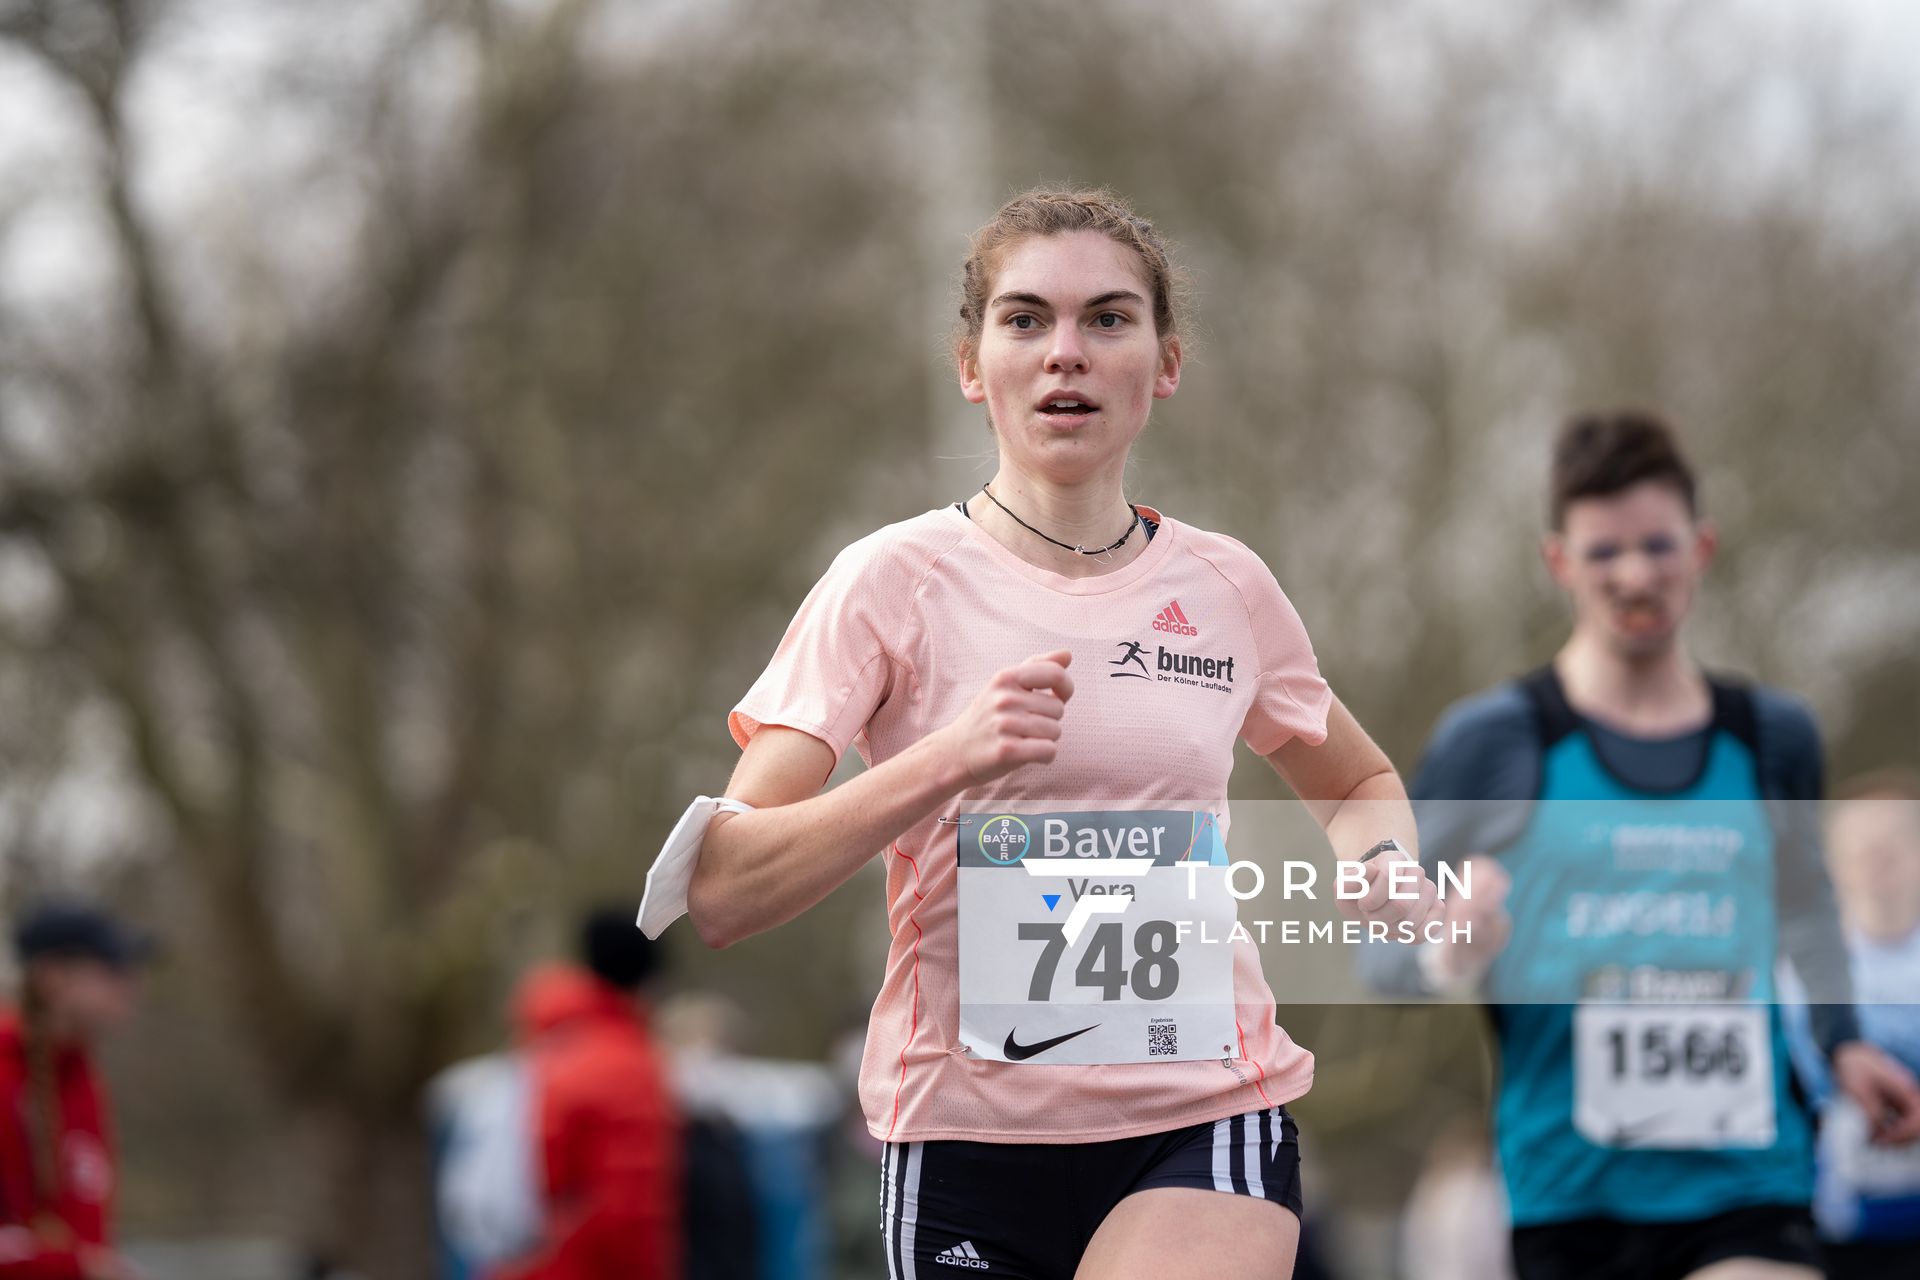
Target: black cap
[(614, 948), (70, 928)]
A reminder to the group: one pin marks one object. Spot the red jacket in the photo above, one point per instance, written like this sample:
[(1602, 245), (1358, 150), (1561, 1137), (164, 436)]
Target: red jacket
[(83, 1195), (609, 1133)]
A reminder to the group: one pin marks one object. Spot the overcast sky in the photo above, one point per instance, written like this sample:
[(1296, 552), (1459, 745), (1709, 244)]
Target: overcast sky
[(197, 105)]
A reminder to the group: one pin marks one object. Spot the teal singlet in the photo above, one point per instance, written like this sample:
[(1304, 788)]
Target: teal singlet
[(1644, 1069)]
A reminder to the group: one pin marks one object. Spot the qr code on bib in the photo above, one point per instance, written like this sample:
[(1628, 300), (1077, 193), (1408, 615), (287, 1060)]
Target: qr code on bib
[(1163, 1039)]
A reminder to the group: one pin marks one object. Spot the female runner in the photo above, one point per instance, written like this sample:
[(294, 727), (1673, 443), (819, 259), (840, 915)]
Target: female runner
[(1047, 682)]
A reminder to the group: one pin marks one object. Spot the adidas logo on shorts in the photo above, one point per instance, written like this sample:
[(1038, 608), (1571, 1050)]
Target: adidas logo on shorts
[(962, 1255), (1174, 619)]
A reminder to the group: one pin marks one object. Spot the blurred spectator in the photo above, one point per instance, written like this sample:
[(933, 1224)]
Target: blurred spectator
[(858, 1250), (607, 1129), (1456, 1221), (487, 1168), (781, 1116), (723, 1209), (722, 1222), (56, 1142), (1867, 1197)]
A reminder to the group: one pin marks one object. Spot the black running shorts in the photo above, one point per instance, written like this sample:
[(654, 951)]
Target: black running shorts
[(1026, 1211), (1609, 1249), (1873, 1260)]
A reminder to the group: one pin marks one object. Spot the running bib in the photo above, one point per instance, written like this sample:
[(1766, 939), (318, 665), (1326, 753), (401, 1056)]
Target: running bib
[(1674, 1076), (1081, 937)]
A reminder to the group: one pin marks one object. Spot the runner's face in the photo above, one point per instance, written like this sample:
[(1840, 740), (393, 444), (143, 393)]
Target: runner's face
[(1631, 561), (1873, 847), (88, 997), (1069, 316)]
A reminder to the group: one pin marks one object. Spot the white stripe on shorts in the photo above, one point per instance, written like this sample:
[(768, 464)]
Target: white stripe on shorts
[(1222, 1156), (910, 1209), (886, 1207), (1255, 1153)]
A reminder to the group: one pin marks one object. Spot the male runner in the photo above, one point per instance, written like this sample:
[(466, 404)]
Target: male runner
[(1641, 1136)]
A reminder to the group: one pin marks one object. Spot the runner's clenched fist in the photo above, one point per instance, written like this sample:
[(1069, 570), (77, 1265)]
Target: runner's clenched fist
[(1014, 720)]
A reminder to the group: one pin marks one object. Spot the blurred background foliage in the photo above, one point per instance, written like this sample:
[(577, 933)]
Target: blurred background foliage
[(418, 421)]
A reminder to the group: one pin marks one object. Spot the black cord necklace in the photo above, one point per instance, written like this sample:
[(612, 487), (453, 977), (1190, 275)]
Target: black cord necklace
[(1118, 543)]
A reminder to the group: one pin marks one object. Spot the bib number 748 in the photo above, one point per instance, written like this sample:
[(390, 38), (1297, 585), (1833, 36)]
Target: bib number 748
[(1153, 973)]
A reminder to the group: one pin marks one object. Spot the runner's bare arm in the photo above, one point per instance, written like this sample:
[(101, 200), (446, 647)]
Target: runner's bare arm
[(1353, 792), (762, 868)]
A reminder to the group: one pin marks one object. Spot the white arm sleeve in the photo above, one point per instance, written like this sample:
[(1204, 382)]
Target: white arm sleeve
[(665, 897)]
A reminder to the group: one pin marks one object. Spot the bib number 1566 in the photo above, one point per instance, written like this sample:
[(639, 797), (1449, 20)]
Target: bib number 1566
[(1683, 1078), (1153, 973), (1659, 1051)]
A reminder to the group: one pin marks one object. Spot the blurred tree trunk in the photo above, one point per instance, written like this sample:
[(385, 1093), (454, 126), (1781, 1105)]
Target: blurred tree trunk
[(379, 1190)]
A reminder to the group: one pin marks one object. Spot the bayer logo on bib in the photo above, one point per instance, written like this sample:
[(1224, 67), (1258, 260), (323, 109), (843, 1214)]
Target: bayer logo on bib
[(1004, 839)]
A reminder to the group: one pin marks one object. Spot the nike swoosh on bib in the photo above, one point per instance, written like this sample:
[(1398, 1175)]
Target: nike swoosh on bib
[(1017, 1052), (1629, 1135)]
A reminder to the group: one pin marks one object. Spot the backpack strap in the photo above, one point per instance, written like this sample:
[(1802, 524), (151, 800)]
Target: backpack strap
[(1733, 711), (1553, 716)]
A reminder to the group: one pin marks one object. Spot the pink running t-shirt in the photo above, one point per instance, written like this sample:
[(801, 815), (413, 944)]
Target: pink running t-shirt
[(899, 636)]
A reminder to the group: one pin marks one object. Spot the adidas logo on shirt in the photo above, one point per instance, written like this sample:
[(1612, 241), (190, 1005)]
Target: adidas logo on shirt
[(962, 1255), (1173, 619)]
